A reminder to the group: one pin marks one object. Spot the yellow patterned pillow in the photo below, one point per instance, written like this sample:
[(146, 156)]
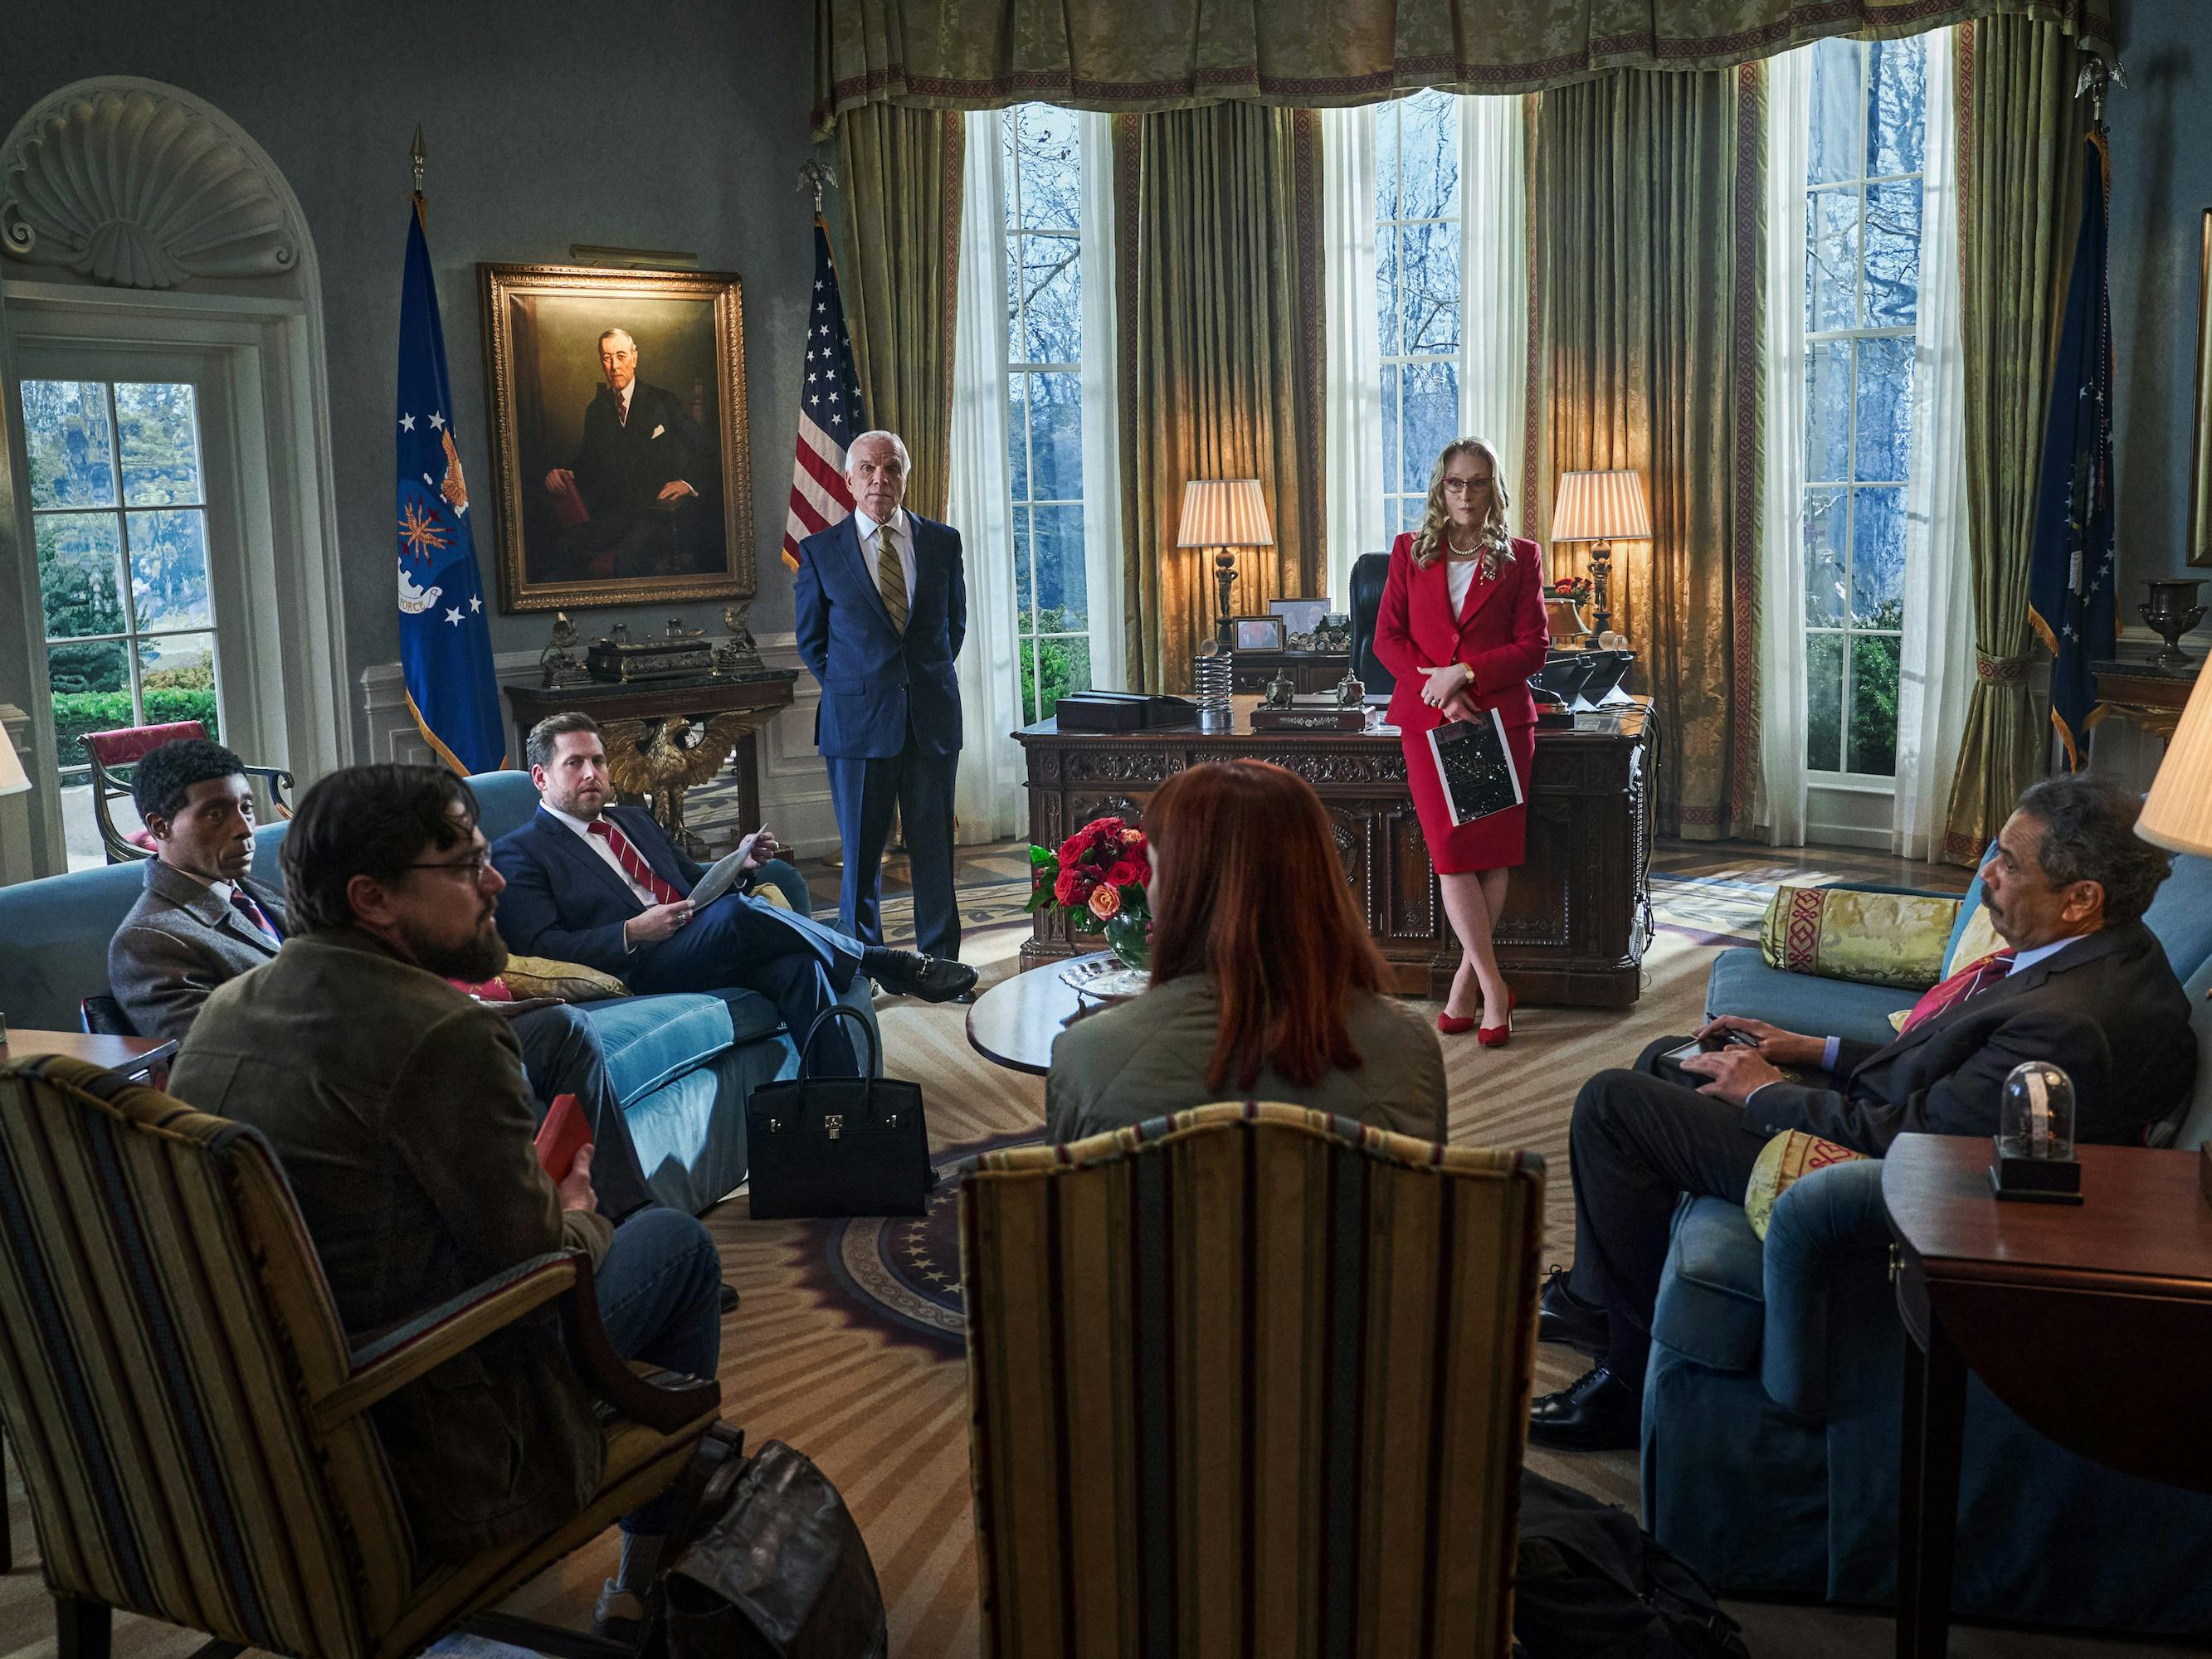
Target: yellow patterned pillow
[(1978, 941), (1841, 932), (571, 982), (1791, 1154)]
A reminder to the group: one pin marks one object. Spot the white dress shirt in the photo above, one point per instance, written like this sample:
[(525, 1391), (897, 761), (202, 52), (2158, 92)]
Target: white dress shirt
[(604, 850), (901, 535), (1459, 575)]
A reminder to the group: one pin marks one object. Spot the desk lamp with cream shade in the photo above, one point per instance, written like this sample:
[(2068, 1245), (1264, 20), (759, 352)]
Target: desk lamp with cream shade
[(14, 781), (2177, 814), (1226, 513), (1603, 507)]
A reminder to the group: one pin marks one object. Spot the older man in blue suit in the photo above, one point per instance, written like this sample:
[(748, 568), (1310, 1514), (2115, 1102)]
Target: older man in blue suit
[(882, 600)]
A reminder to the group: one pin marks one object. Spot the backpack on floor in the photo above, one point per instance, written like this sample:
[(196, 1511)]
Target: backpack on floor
[(1590, 1584)]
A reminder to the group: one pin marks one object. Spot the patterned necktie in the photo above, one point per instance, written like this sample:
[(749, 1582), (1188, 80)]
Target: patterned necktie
[(891, 575), (242, 902), (1975, 976), (633, 863)]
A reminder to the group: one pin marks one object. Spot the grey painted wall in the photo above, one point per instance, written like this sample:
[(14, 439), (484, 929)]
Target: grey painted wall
[(2161, 137), (665, 124)]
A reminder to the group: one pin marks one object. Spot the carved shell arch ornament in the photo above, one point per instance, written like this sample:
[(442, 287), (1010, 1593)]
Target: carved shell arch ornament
[(136, 184)]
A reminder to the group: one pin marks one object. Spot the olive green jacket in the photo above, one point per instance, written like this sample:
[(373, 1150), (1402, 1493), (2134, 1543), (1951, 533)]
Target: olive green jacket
[(1148, 1057)]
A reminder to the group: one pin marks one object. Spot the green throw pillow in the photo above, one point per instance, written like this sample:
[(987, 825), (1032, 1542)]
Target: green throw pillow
[(1844, 933)]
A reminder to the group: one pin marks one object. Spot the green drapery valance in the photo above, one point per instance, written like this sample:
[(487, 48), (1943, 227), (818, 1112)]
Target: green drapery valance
[(1143, 55)]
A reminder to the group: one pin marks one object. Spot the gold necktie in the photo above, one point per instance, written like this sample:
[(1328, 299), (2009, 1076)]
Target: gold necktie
[(891, 576)]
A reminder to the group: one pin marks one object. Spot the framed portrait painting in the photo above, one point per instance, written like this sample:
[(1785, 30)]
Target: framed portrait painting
[(618, 436)]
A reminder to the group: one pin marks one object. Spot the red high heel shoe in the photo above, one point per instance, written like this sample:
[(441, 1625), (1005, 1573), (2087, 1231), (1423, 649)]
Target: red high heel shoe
[(1498, 1036), (1452, 1025)]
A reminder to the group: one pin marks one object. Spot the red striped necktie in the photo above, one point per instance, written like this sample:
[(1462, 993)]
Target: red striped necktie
[(242, 902), (1975, 976), (632, 862)]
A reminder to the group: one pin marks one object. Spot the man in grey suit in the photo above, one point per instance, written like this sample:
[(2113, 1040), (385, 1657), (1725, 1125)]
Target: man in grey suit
[(203, 921)]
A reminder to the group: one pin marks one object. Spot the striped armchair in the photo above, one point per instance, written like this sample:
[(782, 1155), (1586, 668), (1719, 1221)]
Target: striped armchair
[(189, 1420), (1251, 1379)]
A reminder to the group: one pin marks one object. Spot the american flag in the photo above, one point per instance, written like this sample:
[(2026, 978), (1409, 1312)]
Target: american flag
[(830, 414)]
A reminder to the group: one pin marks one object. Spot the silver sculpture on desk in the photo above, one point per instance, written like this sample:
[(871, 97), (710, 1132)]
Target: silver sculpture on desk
[(1213, 677), (557, 664), (737, 655)]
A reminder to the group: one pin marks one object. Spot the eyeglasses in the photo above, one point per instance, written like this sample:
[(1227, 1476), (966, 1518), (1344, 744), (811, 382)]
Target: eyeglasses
[(472, 868), (1461, 486)]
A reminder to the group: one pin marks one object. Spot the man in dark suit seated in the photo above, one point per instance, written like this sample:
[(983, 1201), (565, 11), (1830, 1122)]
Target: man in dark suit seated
[(2081, 983), (603, 885), (398, 1108), (203, 921), (641, 480)]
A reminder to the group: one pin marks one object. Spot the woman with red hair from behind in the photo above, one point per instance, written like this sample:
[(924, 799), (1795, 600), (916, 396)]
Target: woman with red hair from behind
[(1265, 984)]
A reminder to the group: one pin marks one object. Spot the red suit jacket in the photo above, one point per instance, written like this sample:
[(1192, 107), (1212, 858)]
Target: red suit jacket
[(1501, 635)]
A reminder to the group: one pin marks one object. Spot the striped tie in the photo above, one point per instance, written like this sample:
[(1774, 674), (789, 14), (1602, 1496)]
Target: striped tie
[(1974, 977), (891, 575), (634, 865)]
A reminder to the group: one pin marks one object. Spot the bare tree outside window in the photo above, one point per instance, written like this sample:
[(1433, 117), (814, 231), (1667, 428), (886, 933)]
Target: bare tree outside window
[(1418, 293)]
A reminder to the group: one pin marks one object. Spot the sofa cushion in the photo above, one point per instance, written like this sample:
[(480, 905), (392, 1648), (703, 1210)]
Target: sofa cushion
[(1969, 906), (2196, 1122), (1712, 1304), (2181, 914), (1741, 983), (650, 1040)]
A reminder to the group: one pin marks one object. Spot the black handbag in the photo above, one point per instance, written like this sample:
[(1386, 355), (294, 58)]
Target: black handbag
[(769, 1564), (838, 1145)]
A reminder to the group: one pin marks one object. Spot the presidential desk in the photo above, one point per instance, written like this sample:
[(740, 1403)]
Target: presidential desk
[(1577, 915)]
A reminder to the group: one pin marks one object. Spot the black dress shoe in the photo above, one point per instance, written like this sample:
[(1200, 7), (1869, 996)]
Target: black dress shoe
[(1563, 1317), (910, 974), (1599, 1413), (729, 1297)]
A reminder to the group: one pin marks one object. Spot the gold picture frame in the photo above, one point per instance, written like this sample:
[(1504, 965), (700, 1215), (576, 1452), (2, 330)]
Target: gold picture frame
[(584, 514), (2200, 445)]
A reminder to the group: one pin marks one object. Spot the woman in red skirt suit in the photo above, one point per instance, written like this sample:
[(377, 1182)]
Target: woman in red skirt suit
[(1461, 626)]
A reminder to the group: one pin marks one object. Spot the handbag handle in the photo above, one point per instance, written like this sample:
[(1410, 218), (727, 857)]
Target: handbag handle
[(839, 1011)]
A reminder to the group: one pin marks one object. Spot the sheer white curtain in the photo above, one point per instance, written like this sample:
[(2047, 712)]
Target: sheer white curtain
[(1354, 391), (1493, 353), (1103, 553), (989, 799), (1935, 678), (1779, 628)]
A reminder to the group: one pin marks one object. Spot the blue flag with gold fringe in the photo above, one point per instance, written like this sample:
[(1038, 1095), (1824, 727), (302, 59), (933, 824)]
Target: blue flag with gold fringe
[(2070, 598), (445, 635)]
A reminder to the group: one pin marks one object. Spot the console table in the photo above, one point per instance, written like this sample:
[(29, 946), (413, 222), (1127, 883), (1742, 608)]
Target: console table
[(2150, 695), (652, 752), (1576, 918)]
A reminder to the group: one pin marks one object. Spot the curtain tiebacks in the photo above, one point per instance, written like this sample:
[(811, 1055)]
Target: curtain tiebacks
[(1999, 670)]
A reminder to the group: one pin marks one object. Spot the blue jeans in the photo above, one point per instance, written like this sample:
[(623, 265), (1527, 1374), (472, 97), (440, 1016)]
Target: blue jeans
[(660, 1289)]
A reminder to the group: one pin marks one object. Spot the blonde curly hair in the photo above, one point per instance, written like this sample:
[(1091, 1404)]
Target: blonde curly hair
[(1428, 544)]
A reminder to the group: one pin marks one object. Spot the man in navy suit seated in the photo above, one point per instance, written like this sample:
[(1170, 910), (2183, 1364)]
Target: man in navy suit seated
[(882, 603), (603, 885)]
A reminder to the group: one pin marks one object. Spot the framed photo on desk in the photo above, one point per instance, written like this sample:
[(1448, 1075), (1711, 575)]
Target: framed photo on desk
[(1257, 633), (1300, 616)]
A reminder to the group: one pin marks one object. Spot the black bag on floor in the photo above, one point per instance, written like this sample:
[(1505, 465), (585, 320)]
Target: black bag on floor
[(838, 1145), (1590, 1583), (771, 1567)]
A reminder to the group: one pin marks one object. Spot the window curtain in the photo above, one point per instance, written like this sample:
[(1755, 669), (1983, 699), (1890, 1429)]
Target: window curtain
[(2020, 130), (1651, 270), (989, 801), (1354, 373), (901, 170), (1221, 293), (1936, 677), (1140, 55), (1493, 351), (1780, 625), (1102, 539)]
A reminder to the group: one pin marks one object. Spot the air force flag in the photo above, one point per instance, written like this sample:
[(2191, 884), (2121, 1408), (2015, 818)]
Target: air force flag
[(445, 638)]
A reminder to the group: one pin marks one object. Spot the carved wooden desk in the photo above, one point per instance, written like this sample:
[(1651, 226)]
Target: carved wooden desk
[(651, 750), (1575, 916)]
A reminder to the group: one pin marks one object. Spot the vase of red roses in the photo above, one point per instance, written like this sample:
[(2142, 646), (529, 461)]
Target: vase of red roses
[(1096, 879)]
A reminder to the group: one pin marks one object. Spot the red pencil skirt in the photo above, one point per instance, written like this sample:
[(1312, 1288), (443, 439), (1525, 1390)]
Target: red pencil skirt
[(1493, 843)]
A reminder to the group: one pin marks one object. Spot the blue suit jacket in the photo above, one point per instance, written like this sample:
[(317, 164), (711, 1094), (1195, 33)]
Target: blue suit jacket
[(873, 679), (565, 902)]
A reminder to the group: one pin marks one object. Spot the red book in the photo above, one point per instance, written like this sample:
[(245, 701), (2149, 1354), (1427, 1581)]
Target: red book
[(563, 1134)]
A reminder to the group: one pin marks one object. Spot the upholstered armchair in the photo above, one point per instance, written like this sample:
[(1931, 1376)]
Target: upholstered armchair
[(1251, 1379), (112, 754), (189, 1420)]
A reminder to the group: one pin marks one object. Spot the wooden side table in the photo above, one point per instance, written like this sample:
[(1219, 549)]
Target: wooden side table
[(1013, 1024), (2151, 696), (2042, 1302), (141, 1059)]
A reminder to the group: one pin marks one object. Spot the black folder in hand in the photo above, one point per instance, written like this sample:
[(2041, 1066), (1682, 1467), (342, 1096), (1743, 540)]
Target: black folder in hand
[(1476, 766)]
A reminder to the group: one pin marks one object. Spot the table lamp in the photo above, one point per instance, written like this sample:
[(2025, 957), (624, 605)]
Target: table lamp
[(14, 781), (1602, 507), (2177, 814), (1226, 513)]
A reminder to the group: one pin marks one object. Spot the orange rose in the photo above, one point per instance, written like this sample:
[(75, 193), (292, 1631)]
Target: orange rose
[(1105, 902)]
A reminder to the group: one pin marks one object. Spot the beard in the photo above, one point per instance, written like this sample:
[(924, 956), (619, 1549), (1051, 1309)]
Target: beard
[(478, 958)]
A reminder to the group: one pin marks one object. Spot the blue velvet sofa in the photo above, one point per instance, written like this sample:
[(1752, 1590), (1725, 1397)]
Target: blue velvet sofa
[(682, 1065), (1770, 1414)]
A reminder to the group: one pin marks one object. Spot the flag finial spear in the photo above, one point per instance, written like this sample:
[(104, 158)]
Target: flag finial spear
[(2097, 76), (817, 176), (417, 154)]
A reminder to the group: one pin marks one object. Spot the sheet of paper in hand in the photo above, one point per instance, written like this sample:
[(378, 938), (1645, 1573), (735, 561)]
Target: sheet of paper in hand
[(728, 871), (1476, 766)]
